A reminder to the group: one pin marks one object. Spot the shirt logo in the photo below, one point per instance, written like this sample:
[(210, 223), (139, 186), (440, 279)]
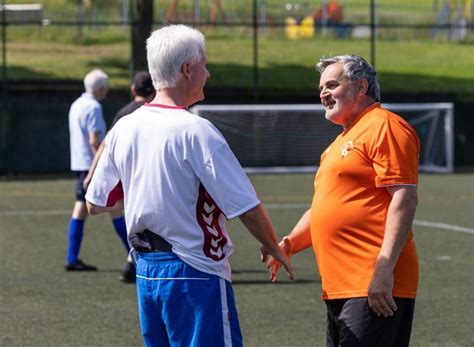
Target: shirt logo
[(208, 215), (348, 146)]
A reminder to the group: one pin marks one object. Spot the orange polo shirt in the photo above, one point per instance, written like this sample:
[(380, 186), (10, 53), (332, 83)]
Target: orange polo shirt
[(350, 203)]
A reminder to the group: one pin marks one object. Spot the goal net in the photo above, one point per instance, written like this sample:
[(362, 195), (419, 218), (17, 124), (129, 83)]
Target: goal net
[(291, 138)]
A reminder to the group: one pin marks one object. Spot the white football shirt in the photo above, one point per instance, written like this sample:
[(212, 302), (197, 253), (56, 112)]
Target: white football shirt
[(180, 180), (85, 116)]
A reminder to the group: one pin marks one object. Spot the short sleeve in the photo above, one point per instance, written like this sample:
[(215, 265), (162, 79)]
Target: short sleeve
[(105, 185), (227, 183), (95, 120), (395, 154)]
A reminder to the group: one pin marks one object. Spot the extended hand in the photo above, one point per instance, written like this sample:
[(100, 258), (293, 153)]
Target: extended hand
[(380, 293), (281, 257)]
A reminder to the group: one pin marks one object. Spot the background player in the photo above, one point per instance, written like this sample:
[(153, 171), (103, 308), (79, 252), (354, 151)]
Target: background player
[(86, 131), (142, 90)]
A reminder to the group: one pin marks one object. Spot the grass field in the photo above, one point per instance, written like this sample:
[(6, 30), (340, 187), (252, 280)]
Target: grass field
[(41, 305), (408, 60), (55, 8), (432, 67)]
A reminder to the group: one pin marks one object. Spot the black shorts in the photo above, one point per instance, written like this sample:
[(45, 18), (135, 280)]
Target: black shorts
[(351, 322), (80, 191)]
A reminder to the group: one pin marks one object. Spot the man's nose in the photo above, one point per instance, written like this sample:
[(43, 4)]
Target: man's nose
[(323, 93)]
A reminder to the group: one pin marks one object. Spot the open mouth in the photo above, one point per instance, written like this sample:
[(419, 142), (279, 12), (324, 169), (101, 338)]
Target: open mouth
[(329, 104)]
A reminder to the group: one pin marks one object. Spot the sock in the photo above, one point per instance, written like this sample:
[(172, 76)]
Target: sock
[(76, 230), (121, 229)]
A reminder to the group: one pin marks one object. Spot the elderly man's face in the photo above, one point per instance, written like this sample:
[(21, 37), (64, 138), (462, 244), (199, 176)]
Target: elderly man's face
[(338, 95), (101, 93), (199, 76)]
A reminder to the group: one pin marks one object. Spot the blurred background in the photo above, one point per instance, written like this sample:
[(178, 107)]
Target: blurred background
[(260, 52)]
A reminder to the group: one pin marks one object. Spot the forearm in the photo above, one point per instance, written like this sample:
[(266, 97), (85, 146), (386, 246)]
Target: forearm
[(259, 225), (400, 214), (300, 236), (95, 209), (88, 178), (94, 141), (400, 217), (96, 159)]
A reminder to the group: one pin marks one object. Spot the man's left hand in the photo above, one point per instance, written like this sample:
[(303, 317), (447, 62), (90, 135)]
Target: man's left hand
[(380, 293)]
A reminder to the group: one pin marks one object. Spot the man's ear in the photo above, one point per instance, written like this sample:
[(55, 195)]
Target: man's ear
[(186, 70), (362, 87)]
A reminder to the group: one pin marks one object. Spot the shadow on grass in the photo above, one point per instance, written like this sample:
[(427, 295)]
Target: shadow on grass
[(115, 62), (248, 271), (264, 279), (19, 73), (106, 270), (292, 78), (267, 282), (286, 79)]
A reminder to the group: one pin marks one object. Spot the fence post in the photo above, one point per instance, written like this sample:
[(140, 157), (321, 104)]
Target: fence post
[(197, 13), (373, 32), (141, 30), (80, 20), (4, 52), (125, 11), (131, 23), (255, 52), (4, 118)]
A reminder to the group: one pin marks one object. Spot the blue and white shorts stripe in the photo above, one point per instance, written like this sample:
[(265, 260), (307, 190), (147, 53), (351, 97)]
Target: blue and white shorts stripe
[(181, 306)]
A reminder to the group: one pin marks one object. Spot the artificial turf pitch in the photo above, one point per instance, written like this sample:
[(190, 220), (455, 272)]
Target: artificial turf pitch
[(41, 305)]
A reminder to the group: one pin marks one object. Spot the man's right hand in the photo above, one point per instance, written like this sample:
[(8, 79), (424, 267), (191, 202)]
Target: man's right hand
[(279, 257)]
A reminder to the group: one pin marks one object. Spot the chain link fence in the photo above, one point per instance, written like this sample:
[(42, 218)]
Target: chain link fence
[(262, 49), (92, 22)]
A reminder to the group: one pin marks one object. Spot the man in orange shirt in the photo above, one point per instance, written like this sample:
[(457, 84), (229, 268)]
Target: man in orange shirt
[(360, 220)]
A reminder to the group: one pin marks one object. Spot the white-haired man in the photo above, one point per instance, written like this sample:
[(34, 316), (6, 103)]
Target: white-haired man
[(86, 130), (180, 183)]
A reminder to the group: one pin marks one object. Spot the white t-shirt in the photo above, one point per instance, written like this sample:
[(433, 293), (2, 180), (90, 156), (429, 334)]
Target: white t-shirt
[(85, 116), (180, 180)]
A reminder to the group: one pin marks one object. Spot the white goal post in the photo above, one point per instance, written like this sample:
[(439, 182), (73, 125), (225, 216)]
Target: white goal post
[(288, 138)]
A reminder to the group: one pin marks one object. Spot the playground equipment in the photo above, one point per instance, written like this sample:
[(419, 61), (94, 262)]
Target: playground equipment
[(298, 24)]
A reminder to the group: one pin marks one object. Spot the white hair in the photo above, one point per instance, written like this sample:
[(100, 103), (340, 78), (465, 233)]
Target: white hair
[(355, 68), (95, 80), (168, 49)]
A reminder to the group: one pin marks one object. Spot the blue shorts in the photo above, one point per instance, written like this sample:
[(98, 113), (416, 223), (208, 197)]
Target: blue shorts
[(181, 306), (80, 191)]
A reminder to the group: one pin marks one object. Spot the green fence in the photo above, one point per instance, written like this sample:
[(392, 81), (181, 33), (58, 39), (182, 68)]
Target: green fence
[(64, 38), (259, 51)]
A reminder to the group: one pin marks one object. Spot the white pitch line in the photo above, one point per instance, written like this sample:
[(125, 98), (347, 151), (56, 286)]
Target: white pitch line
[(436, 225), (35, 213), (278, 206), (286, 206), (445, 226)]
